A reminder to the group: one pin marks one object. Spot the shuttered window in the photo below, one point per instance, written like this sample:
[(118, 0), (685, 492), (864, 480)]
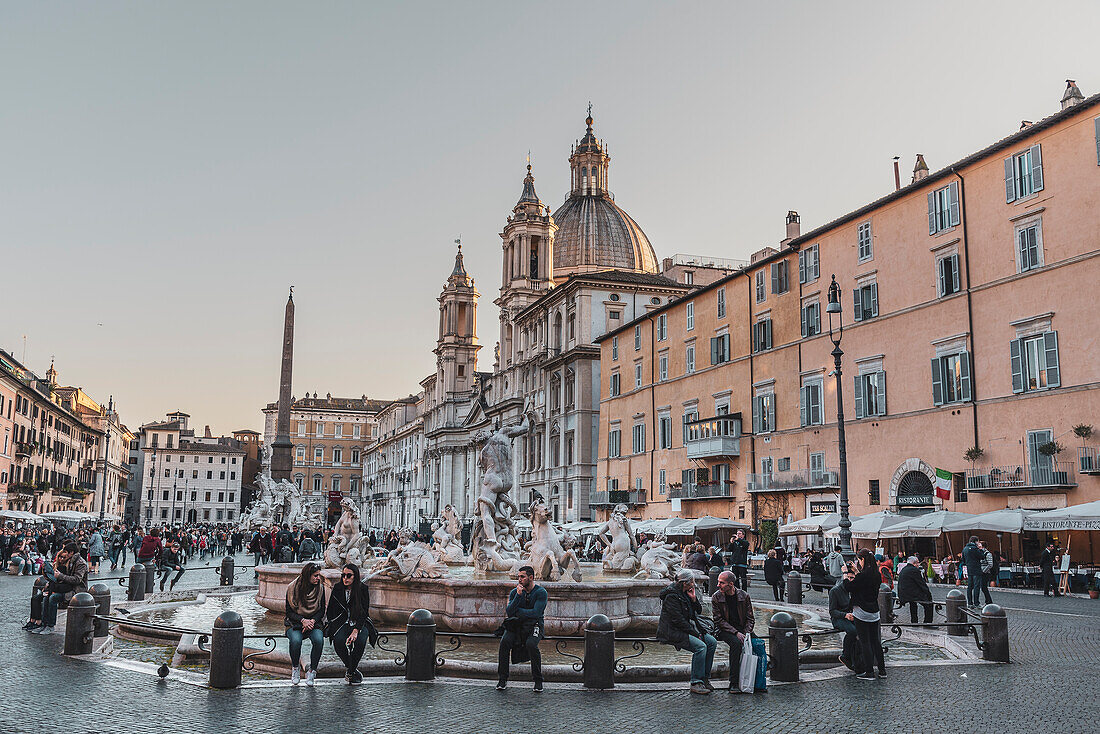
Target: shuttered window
[(810, 403), (866, 250), (761, 289), (763, 413), (614, 386), (870, 394), (947, 272), (780, 279), (865, 301), (1035, 364), (1023, 174), (662, 367), (809, 265), (811, 319), (689, 359), (689, 316), (951, 379), (614, 443), (638, 439), (721, 303), (1029, 247), (762, 335), (943, 208), (720, 349)]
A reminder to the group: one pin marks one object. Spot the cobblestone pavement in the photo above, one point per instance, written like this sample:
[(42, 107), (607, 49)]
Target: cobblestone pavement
[(1051, 685)]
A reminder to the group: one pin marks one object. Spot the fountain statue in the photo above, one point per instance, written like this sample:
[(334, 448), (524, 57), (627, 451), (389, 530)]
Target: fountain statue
[(278, 503), (545, 552), (448, 543), (620, 546), (411, 560), (494, 546), (658, 559), (347, 543)]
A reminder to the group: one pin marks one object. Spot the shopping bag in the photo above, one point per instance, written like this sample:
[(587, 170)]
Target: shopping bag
[(761, 653), (746, 677)]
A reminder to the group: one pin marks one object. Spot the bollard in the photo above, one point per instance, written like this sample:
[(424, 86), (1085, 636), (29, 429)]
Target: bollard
[(886, 603), (227, 572), (794, 587), (420, 646), (783, 647), (102, 596), (713, 578), (78, 624), (135, 586), (994, 634), (226, 650), (599, 653), (954, 613), (150, 576)]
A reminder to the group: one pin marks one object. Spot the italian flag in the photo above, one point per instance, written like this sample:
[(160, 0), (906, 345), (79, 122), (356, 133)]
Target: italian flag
[(943, 484)]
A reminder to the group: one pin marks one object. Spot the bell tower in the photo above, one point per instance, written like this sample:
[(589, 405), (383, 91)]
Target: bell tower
[(457, 347)]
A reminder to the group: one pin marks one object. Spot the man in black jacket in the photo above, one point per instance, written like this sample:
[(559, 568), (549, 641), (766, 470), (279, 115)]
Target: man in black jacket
[(523, 628), (679, 626), (739, 559), (732, 610), (913, 589), (169, 562), (840, 612), (1046, 565)]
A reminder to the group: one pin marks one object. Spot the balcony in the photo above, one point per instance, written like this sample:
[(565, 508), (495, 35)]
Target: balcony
[(713, 437), (23, 450), (612, 497), (701, 491), (1050, 475), (1088, 460), (795, 480), (377, 496)]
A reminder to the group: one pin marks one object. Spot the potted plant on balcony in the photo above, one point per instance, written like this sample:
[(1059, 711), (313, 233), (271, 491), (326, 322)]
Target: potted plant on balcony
[(1052, 449), (1083, 431), (973, 455)]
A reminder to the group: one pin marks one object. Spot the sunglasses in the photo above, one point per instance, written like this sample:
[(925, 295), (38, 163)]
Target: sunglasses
[(348, 575)]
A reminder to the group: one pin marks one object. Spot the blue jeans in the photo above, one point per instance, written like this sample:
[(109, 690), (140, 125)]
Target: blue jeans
[(851, 642), (317, 640), (702, 656), (977, 583), (49, 614)]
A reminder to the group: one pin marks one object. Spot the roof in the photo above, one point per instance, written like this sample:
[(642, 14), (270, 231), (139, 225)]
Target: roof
[(625, 278), (363, 404), (208, 448), (595, 232), (926, 182)]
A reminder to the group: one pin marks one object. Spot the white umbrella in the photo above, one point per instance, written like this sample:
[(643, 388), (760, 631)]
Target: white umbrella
[(20, 515), (869, 527), (930, 525), (679, 526), (1076, 517), (70, 515), (811, 525), (580, 526), (656, 526), (707, 522), (999, 521)]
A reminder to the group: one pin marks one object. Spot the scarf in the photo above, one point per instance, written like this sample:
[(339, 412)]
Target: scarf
[(306, 604)]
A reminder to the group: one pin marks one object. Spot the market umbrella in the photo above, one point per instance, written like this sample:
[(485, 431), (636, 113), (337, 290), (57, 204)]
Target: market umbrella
[(708, 522), (1075, 517), (581, 527), (929, 525), (869, 527), (811, 525), (20, 515), (999, 521), (656, 526), (70, 515), (679, 526)]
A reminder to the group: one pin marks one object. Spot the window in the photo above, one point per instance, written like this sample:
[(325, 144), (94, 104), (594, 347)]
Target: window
[(810, 402), (614, 315), (300, 453), (637, 375), (317, 484), (638, 439), (164, 496), (662, 367), (947, 271), (689, 277), (355, 456), (320, 429), (866, 250), (784, 464), (569, 447), (690, 415), (761, 291), (301, 428), (614, 347), (209, 475), (232, 475), (318, 454), (689, 359), (1029, 247), (762, 335), (689, 316), (811, 319), (872, 491), (662, 484), (720, 349), (336, 484), (943, 208), (638, 338), (951, 378), (222, 475), (1023, 174), (809, 266), (664, 432), (194, 473), (356, 430), (614, 443), (613, 385), (337, 455), (1035, 364), (763, 413), (780, 277), (958, 486), (662, 327), (865, 300), (870, 392), (721, 303), (817, 469), (339, 429)]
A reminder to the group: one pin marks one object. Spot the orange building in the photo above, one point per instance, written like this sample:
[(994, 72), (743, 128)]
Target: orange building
[(969, 327)]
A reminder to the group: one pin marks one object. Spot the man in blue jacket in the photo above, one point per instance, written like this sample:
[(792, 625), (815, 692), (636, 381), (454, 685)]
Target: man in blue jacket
[(523, 628)]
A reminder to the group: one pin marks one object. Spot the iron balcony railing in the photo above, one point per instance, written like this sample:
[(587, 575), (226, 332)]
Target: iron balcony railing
[(1088, 460), (709, 437), (1049, 474), (617, 497), (702, 491), (794, 479)]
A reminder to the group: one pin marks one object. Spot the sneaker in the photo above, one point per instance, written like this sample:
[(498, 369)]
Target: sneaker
[(699, 688), (865, 676), (311, 676), (356, 677), (48, 630), (882, 674), (501, 685), (30, 626), (295, 676), (734, 688), (708, 684), (347, 677), (538, 686)]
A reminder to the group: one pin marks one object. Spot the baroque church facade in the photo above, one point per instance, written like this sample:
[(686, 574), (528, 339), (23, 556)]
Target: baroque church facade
[(567, 277)]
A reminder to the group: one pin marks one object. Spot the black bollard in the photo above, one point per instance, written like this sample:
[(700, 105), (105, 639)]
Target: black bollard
[(227, 572), (886, 603), (150, 576), (78, 624), (994, 634), (783, 647), (102, 596), (226, 650), (794, 587), (954, 613), (599, 653), (135, 585), (420, 646), (713, 577)]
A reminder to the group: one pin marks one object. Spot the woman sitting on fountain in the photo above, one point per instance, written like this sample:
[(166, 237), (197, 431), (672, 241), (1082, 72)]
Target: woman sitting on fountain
[(349, 624), (305, 615)]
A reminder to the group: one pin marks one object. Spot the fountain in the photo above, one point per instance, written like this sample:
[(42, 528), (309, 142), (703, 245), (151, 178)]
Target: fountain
[(277, 503)]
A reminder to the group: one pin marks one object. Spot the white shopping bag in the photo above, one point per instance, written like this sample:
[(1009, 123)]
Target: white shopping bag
[(746, 677)]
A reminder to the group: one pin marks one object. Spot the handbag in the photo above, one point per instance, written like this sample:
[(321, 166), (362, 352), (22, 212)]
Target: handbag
[(746, 676), (761, 653)]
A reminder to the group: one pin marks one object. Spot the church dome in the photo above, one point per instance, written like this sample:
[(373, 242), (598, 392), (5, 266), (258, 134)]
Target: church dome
[(594, 233)]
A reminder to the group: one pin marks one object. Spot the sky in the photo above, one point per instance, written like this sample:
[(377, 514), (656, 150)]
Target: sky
[(168, 170)]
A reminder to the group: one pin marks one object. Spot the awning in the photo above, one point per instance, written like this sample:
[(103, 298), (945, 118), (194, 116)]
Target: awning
[(869, 527), (811, 525), (20, 515), (999, 521), (1077, 517), (691, 526), (69, 515), (930, 525)]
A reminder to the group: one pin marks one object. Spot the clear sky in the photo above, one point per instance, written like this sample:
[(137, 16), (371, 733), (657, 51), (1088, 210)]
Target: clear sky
[(167, 170)]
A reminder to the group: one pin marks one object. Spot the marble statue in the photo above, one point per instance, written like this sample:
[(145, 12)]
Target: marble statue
[(277, 503), (658, 559), (545, 553), (620, 547), (414, 560), (447, 538), (493, 545), (347, 543)]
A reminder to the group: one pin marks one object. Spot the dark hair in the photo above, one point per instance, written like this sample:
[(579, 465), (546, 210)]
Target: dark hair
[(305, 580), (71, 547), (973, 538), (155, 532), (870, 565), (527, 570), (356, 584)]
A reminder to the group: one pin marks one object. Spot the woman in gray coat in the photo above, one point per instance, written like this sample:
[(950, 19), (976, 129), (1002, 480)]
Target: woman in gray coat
[(96, 550)]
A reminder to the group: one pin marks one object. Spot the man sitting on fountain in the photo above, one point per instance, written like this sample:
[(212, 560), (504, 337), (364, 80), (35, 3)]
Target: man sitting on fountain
[(523, 628), (732, 610)]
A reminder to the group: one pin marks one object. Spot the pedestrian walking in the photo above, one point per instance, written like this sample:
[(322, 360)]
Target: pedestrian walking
[(865, 613), (522, 628), (974, 558), (679, 626), (305, 617)]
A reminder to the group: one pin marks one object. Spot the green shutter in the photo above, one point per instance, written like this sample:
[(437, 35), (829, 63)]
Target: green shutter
[(931, 212), (1036, 168), (1010, 180), (771, 413), (874, 299), (937, 381), (857, 303), (1015, 349), (964, 376), (954, 273), (953, 204), (804, 405), (859, 396), (1050, 346), (756, 415)]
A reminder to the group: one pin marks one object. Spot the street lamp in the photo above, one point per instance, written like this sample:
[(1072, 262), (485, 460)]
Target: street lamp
[(834, 307)]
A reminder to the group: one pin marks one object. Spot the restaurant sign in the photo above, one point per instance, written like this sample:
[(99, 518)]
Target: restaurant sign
[(914, 500), (822, 508)]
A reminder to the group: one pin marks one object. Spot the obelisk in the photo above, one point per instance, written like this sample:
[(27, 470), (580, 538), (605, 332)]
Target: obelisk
[(281, 447)]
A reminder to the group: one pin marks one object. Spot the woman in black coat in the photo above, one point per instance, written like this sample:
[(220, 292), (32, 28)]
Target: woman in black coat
[(773, 574), (348, 621), (865, 613), (913, 588), (820, 580)]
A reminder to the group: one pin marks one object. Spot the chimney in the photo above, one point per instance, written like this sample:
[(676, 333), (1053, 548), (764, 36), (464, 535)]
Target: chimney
[(897, 174), (1072, 96), (920, 170), (1027, 123), (793, 227), (207, 433)]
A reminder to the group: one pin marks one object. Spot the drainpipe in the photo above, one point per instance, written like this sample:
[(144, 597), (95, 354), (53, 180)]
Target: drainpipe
[(969, 308), (653, 396), (752, 440)]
